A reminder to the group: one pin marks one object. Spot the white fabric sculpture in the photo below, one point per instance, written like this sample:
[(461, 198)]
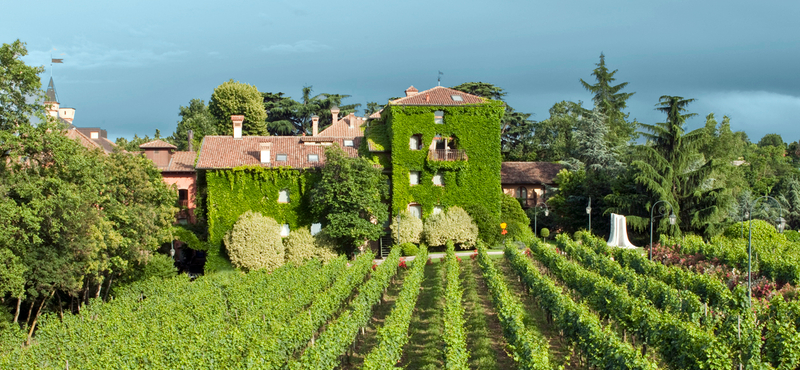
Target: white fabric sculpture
[(619, 232)]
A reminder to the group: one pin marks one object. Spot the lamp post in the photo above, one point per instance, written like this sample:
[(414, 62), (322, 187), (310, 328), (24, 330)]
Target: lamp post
[(535, 212), (781, 225), (661, 212), (589, 212)]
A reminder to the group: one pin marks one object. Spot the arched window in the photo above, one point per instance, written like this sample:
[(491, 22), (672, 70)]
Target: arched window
[(522, 193)]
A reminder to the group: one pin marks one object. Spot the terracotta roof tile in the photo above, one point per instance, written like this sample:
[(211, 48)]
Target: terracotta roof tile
[(157, 144), (376, 115), (218, 152), (439, 95), (529, 172), (344, 128), (181, 162)]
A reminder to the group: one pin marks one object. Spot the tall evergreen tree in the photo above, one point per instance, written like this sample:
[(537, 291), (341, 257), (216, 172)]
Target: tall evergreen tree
[(289, 117), (671, 168), (611, 102)]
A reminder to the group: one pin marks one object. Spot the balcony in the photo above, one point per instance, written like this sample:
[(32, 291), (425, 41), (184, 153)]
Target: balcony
[(447, 155), (183, 203)]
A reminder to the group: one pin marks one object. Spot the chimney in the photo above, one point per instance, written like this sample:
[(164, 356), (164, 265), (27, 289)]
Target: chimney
[(237, 126), (427, 97), (411, 91), (351, 119), (334, 114), (190, 138), (265, 152), (314, 125)]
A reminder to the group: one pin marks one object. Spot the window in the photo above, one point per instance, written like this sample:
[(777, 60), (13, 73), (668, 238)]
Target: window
[(285, 230), (413, 178), (438, 179), (415, 142), (415, 209), (283, 196), (456, 97), (156, 151), (438, 117), (94, 135), (313, 157), (316, 228), (348, 143), (281, 158), (437, 210), (522, 193)]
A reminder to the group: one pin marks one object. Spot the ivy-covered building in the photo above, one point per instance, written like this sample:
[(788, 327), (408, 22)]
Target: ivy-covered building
[(441, 148)]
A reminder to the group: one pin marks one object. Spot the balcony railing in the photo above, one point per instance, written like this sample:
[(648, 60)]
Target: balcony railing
[(447, 155), (183, 203)]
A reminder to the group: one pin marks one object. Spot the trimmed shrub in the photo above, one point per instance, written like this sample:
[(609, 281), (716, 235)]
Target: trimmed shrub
[(544, 232), (299, 246), (409, 249), (326, 246), (488, 223), (255, 243), (792, 235), (410, 228), (161, 266), (453, 224)]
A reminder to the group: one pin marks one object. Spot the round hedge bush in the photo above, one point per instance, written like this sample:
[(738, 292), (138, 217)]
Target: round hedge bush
[(453, 224), (410, 228), (255, 243), (409, 249), (299, 246), (544, 232)]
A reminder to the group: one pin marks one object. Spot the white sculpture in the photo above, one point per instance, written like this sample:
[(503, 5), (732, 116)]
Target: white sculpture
[(619, 232)]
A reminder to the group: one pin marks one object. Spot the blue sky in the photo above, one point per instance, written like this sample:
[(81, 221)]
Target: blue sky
[(128, 66)]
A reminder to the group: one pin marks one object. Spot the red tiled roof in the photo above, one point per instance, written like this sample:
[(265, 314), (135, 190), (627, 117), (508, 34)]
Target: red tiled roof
[(220, 152), (376, 115), (180, 162), (82, 139), (529, 172), (438, 95), (157, 144), (342, 127)]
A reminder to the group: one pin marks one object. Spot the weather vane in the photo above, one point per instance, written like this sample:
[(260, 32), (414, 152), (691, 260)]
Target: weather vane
[(439, 80)]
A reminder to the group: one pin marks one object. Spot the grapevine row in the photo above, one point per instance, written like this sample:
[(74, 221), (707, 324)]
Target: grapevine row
[(341, 334), (531, 350), (682, 345), (275, 350), (455, 339), (602, 346), (394, 333)]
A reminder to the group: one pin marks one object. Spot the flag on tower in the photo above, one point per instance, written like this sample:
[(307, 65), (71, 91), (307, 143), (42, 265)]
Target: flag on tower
[(54, 60)]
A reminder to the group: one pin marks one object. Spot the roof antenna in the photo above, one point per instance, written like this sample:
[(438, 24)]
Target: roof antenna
[(439, 80)]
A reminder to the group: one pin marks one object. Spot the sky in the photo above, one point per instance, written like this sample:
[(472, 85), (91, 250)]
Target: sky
[(129, 66)]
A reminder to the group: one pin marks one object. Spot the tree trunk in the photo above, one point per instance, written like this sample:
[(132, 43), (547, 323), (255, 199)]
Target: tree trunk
[(60, 310), (16, 313), (108, 287), (30, 311), (38, 312)]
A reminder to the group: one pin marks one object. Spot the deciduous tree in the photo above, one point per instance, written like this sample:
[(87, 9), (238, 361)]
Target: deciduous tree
[(237, 98)]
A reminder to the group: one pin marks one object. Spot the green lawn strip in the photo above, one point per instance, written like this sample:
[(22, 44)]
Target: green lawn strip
[(424, 349), (560, 350), (393, 335), (482, 349)]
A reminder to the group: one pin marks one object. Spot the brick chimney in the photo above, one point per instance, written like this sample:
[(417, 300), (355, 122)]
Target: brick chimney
[(237, 126), (411, 91), (190, 138), (334, 114), (314, 125), (351, 118), (265, 147)]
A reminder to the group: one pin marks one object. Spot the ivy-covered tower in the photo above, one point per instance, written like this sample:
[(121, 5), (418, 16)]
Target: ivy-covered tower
[(444, 151)]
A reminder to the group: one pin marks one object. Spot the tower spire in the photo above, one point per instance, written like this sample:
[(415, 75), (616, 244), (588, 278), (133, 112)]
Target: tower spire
[(51, 95)]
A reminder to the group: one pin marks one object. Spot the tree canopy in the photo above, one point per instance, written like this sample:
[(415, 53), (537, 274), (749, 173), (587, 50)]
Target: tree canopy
[(289, 117), (20, 87), (237, 98), (349, 199)]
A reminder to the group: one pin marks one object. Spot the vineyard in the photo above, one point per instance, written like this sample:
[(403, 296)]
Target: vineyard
[(574, 304)]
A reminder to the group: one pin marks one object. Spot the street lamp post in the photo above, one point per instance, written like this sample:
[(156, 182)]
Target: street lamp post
[(662, 212), (535, 212), (781, 225), (589, 212)]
